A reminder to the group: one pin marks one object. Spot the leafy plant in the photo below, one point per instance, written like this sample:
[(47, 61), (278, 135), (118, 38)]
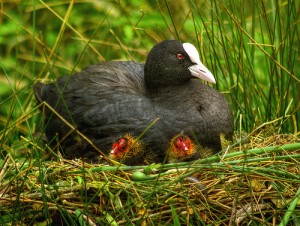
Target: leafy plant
[(252, 48)]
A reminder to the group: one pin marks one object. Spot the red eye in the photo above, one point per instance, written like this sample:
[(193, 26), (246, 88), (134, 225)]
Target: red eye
[(180, 56)]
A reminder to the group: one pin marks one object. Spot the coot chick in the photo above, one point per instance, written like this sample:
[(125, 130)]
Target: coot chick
[(127, 150), (131, 151), (110, 99), (183, 149)]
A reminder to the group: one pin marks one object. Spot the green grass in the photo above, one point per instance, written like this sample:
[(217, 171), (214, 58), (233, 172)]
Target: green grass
[(251, 47), (261, 184), (252, 50)]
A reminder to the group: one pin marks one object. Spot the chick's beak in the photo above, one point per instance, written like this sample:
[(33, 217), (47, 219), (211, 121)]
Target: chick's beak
[(185, 147)]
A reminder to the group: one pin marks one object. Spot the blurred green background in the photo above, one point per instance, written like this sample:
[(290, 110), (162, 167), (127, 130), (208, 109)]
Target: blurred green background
[(251, 47)]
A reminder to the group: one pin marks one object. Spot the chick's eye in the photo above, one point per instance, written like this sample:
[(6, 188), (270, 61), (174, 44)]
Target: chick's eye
[(180, 56)]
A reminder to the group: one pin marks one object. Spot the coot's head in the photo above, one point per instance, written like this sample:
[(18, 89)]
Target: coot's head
[(172, 63)]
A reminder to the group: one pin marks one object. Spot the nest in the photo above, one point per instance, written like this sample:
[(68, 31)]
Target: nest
[(255, 181)]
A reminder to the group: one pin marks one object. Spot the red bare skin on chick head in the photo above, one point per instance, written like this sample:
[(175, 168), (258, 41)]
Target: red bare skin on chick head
[(128, 150), (181, 147), (120, 147)]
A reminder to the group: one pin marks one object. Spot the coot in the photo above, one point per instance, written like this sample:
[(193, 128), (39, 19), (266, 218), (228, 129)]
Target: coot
[(110, 99), (128, 150), (183, 149)]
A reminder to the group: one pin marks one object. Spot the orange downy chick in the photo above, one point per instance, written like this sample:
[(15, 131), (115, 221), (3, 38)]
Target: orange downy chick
[(127, 150), (182, 148)]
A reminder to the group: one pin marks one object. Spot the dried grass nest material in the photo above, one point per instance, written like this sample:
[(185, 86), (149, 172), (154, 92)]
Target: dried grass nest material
[(251, 182)]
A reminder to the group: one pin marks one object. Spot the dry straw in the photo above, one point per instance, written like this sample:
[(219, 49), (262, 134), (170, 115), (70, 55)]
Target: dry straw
[(257, 181)]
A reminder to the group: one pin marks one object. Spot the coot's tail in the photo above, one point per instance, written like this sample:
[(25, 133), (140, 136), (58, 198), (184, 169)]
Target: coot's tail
[(37, 91)]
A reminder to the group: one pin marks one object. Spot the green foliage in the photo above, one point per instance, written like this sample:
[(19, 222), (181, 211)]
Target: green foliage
[(258, 186), (252, 48)]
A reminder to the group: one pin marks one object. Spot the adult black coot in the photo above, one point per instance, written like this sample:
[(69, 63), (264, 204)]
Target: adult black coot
[(110, 99)]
